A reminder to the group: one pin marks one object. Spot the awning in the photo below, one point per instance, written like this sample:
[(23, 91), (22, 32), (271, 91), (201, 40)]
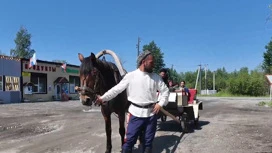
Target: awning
[(28, 84), (61, 80)]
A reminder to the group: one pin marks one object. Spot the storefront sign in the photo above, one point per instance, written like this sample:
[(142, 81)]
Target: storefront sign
[(26, 74), (72, 71), (41, 68)]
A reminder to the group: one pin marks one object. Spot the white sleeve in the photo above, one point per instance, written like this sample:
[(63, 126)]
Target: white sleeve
[(114, 91), (164, 93)]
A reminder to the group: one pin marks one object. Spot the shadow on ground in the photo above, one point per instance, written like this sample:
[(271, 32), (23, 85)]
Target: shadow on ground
[(169, 143), (160, 145), (173, 126)]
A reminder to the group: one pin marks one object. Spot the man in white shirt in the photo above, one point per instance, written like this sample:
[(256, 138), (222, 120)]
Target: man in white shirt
[(142, 86)]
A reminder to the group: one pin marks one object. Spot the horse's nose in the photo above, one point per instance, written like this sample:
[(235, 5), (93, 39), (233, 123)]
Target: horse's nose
[(88, 102)]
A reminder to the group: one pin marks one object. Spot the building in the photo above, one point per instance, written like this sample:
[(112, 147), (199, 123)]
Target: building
[(10, 79), (48, 81)]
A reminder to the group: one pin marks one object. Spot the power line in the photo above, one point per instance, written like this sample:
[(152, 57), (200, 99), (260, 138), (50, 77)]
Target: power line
[(179, 67)]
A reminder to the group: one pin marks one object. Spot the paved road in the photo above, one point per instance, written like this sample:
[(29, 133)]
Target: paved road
[(227, 125)]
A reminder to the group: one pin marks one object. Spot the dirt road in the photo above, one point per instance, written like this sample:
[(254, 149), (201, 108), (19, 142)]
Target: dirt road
[(228, 125)]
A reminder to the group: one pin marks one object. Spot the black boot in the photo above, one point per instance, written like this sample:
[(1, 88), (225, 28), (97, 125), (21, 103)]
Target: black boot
[(126, 151), (148, 150)]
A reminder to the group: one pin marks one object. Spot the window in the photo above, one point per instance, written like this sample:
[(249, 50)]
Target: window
[(1, 83), (12, 83), (40, 82), (74, 81)]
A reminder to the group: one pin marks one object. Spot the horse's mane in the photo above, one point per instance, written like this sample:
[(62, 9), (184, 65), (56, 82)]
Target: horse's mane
[(103, 66), (106, 66)]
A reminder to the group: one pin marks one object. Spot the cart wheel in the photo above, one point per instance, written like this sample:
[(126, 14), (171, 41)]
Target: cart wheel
[(184, 123), (163, 118)]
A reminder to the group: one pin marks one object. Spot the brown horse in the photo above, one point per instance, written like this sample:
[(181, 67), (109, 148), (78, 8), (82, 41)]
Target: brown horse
[(97, 77)]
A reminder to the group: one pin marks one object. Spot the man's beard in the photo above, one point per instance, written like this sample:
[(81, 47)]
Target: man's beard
[(149, 70)]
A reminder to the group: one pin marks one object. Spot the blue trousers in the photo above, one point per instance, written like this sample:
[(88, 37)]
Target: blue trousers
[(135, 127)]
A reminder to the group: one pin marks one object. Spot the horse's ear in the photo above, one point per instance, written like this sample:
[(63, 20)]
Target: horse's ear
[(80, 57), (93, 58)]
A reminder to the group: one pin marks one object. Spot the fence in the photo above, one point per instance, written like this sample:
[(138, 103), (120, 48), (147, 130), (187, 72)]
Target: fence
[(208, 92)]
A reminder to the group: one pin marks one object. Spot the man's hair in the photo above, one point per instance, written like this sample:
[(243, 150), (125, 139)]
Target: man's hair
[(183, 81), (163, 70)]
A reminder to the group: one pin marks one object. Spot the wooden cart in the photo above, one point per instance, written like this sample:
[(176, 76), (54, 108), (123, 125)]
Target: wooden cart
[(185, 108)]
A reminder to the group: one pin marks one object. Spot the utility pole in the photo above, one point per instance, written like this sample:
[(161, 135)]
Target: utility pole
[(172, 67), (138, 46), (200, 77), (197, 77), (206, 79), (213, 80)]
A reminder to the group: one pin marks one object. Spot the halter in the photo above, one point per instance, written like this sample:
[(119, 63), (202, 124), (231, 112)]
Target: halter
[(87, 91)]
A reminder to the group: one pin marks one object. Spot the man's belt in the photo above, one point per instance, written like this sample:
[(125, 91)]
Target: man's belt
[(145, 106)]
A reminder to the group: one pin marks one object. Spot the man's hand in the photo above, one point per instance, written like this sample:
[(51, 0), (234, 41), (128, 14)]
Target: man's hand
[(99, 101), (156, 108)]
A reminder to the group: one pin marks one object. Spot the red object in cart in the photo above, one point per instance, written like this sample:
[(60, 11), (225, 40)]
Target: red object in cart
[(192, 96)]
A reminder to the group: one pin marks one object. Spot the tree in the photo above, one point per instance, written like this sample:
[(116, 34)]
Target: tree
[(189, 78), (156, 52), (23, 43), (174, 76), (258, 84), (244, 82), (267, 61), (221, 79)]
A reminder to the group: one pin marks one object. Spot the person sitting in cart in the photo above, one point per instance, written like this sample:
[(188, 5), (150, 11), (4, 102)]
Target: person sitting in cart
[(164, 75), (183, 88), (172, 87)]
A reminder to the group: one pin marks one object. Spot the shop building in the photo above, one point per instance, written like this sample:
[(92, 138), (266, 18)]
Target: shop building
[(48, 81), (10, 79)]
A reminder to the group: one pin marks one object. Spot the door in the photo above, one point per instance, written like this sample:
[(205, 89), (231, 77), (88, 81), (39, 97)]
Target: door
[(58, 91)]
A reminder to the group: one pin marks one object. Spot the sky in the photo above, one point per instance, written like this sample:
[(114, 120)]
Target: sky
[(215, 33)]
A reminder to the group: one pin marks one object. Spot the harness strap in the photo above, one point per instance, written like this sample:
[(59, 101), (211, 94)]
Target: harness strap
[(85, 88)]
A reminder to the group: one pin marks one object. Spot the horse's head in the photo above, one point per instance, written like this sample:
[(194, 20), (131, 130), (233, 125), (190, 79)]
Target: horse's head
[(89, 76)]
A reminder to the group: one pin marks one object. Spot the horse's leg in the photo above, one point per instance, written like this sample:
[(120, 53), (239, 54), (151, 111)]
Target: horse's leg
[(107, 118), (108, 132), (122, 131)]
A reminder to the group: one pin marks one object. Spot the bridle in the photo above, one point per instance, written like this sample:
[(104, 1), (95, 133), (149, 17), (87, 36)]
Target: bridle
[(88, 91)]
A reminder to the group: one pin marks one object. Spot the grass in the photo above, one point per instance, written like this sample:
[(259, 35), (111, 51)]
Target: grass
[(227, 94), (223, 94), (264, 103)]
